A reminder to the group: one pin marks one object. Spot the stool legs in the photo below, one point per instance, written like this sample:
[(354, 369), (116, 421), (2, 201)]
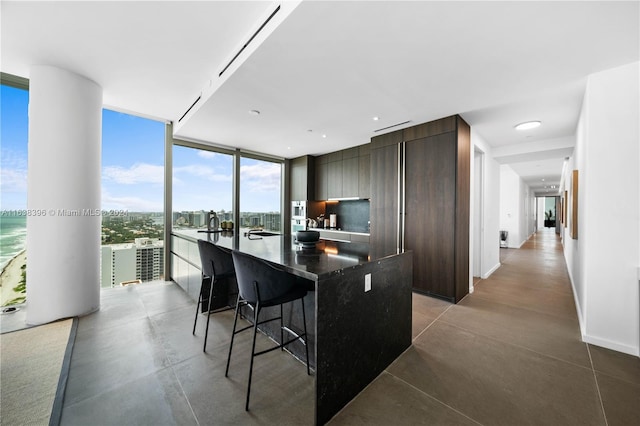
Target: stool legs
[(256, 322), (306, 336), (256, 313), (200, 302), (206, 333), (233, 334)]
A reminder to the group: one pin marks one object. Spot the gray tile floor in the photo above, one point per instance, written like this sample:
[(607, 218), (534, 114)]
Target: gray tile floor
[(509, 354)]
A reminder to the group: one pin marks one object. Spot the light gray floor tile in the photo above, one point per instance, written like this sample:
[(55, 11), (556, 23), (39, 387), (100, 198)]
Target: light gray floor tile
[(106, 359), (391, 401), (155, 399), (616, 364), (497, 383), (547, 334), (621, 400)]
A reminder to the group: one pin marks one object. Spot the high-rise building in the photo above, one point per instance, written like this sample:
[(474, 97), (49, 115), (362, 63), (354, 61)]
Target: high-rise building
[(141, 260)]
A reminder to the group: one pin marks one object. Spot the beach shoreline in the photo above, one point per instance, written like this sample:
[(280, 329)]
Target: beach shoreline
[(10, 277)]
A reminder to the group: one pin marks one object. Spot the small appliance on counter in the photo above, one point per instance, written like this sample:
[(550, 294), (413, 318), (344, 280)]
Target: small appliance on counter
[(333, 221)]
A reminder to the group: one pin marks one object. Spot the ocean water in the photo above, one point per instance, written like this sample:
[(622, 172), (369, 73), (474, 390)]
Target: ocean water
[(13, 237)]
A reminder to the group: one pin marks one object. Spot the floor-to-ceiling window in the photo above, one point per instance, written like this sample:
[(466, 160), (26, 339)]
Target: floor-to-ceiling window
[(132, 199), (14, 119), (202, 184), (260, 194)]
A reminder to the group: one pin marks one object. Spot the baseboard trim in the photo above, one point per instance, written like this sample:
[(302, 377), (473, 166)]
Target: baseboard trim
[(608, 344), (491, 271)]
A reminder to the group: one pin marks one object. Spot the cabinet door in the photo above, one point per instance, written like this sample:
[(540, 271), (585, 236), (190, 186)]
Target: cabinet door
[(302, 178), (321, 181), (334, 176), (364, 176), (350, 174), (384, 200), (430, 206)]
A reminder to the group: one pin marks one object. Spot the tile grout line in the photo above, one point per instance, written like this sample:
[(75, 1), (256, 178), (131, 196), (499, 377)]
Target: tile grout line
[(185, 395), (516, 345), (595, 377), (435, 399), (431, 323), (513, 305)]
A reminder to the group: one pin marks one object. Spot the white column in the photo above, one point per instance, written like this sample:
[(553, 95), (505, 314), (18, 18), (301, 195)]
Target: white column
[(63, 195)]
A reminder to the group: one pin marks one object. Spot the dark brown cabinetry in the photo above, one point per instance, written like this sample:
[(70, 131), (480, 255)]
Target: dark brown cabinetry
[(303, 178), (420, 191), (334, 179), (385, 225), (364, 171), (343, 174), (322, 181)]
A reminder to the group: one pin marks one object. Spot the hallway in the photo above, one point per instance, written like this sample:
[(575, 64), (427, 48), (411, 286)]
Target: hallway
[(510, 354)]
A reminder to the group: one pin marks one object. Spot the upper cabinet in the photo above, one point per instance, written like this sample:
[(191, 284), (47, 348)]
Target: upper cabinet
[(343, 174), (321, 175), (302, 178), (364, 171)]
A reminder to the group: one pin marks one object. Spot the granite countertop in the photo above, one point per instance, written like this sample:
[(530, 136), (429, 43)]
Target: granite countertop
[(319, 261)]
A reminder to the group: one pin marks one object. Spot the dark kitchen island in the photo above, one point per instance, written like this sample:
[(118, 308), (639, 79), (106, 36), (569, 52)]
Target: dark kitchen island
[(354, 334)]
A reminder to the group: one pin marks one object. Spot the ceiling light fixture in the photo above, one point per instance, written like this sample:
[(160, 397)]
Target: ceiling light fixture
[(376, 118), (528, 125)]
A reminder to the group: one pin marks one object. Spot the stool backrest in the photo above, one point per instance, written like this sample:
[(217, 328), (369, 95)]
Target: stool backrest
[(214, 259), (271, 281)]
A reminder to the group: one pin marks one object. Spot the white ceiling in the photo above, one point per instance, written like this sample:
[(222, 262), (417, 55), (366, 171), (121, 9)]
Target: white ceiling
[(327, 67)]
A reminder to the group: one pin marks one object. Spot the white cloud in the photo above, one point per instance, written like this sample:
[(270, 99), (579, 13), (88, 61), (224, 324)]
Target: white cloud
[(138, 173), (206, 154), (13, 172), (261, 177), (201, 172), (13, 180), (130, 203)]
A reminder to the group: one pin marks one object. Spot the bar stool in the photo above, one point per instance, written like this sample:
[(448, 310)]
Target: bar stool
[(217, 266), (261, 285)]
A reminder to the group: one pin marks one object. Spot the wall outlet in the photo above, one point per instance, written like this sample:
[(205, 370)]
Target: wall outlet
[(367, 282)]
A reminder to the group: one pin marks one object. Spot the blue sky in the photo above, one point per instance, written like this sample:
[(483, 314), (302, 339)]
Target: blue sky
[(133, 166)]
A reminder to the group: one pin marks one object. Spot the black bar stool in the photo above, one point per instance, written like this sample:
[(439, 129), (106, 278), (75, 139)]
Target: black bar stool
[(261, 285), (217, 266)]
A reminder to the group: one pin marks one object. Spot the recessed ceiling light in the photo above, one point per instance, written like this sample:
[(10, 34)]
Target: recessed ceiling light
[(376, 118), (254, 112), (528, 125), (324, 136)]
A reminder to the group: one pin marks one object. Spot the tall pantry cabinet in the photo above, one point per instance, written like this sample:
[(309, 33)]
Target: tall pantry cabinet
[(420, 201)]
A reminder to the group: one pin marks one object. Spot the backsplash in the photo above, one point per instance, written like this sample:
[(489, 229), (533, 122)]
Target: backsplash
[(352, 215)]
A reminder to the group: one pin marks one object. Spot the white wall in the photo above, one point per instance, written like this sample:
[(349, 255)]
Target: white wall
[(490, 224), (517, 207), (540, 212), (603, 262)]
